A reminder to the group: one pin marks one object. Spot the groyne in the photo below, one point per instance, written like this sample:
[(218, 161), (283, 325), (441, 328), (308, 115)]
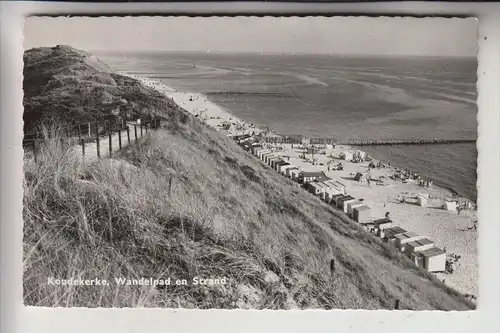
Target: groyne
[(362, 142)]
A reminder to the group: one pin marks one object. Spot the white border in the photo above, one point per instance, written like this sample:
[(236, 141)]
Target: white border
[(16, 318)]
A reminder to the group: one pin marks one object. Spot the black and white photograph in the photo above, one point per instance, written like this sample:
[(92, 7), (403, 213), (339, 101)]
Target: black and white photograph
[(241, 162)]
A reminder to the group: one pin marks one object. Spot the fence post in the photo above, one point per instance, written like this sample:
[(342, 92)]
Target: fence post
[(35, 148), (89, 129), (79, 131), (146, 127), (128, 135), (97, 140), (396, 305), (110, 146), (82, 142), (105, 126), (120, 139), (135, 132), (332, 267), (141, 129)]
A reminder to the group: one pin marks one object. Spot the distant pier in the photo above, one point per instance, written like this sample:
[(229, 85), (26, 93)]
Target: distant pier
[(363, 142)]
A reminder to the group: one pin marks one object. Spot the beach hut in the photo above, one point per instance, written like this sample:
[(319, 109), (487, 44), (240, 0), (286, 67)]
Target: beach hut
[(295, 173), (334, 198), (329, 193), (432, 260), (450, 205), (342, 202), (351, 205), (339, 200), (309, 176), (262, 152), (279, 164), (268, 158), (347, 155), (316, 188), (263, 157), (271, 161), (362, 214), (378, 226), (418, 245), (334, 184), (402, 239), (288, 171), (284, 169), (256, 150), (255, 146), (422, 199), (360, 177), (389, 233)]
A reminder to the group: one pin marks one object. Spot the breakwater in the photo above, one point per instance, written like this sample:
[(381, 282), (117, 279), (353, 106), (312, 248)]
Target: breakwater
[(362, 142)]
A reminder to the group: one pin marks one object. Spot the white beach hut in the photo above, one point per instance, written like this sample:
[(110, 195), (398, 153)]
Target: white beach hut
[(334, 184), (389, 234), (351, 205), (272, 160), (281, 166), (315, 188), (402, 239), (432, 260), (450, 205), (422, 199), (268, 157), (330, 193), (257, 150), (294, 174), (347, 155), (362, 214), (261, 152), (342, 202), (284, 168), (417, 246), (288, 171), (264, 156)]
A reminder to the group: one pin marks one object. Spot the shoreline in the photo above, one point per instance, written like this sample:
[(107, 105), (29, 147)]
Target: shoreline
[(443, 227), (436, 181)]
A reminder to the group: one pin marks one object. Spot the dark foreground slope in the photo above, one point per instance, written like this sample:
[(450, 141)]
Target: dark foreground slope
[(187, 203)]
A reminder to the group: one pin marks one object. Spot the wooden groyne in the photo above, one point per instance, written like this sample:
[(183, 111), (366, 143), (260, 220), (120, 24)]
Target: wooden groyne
[(363, 142)]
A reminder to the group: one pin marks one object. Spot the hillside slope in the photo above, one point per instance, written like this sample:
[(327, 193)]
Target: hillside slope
[(187, 202), (66, 86)]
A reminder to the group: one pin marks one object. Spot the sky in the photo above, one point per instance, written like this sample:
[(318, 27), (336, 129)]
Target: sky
[(336, 35)]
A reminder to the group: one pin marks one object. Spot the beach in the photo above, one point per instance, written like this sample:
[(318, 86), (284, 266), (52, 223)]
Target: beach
[(450, 230)]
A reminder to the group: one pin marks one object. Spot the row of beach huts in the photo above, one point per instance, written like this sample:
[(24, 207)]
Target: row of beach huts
[(421, 250)]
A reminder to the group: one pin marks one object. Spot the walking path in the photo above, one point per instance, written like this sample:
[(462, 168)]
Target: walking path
[(104, 152)]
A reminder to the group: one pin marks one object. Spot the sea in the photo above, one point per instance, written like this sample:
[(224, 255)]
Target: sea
[(340, 97)]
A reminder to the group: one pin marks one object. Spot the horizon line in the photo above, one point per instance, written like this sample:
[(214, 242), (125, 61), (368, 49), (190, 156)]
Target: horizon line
[(280, 53)]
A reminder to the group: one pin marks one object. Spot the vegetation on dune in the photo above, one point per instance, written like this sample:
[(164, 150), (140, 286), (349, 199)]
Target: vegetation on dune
[(67, 86), (188, 202)]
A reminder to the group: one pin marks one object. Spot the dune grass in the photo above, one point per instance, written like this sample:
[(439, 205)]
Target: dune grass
[(187, 202)]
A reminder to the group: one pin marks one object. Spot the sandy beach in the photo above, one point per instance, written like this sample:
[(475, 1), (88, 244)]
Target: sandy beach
[(447, 229)]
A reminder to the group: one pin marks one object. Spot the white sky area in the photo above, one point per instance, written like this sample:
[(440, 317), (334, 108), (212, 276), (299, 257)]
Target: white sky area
[(336, 35)]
